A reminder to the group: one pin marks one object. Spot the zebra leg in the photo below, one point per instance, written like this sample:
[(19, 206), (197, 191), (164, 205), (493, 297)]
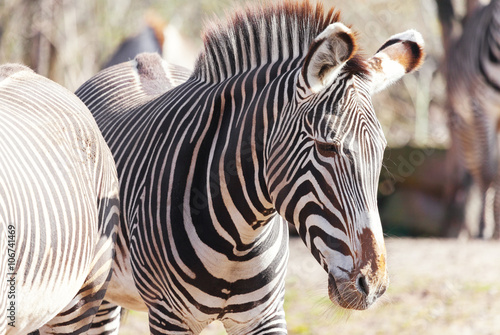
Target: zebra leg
[(275, 325), (272, 324), (269, 319), (107, 319), (163, 320), (458, 187), (79, 314), (496, 204), (496, 211)]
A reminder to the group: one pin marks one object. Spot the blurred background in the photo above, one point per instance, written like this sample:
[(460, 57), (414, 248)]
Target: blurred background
[(70, 40)]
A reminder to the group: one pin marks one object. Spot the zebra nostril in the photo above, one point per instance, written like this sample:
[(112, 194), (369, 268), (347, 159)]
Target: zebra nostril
[(363, 286)]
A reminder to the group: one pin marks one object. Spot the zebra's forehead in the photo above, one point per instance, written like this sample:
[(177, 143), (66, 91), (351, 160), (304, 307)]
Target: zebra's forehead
[(343, 111)]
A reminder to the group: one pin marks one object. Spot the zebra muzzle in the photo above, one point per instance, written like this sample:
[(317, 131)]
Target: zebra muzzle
[(358, 291)]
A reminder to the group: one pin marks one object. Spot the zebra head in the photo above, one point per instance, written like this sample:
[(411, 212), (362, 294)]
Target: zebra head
[(325, 158)]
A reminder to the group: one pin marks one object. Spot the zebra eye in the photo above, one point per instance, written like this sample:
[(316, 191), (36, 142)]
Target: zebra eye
[(327, 149)]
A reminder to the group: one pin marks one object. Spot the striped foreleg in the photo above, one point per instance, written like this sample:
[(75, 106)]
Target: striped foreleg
[(107, 319)]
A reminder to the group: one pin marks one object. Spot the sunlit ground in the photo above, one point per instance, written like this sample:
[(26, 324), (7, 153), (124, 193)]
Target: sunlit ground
[(437, 287)]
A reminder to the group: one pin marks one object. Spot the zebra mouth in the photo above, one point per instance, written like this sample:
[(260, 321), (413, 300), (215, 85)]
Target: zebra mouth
[(346, 295), (333, 291)]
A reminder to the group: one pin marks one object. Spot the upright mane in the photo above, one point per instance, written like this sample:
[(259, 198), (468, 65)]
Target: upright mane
[(260, 35)]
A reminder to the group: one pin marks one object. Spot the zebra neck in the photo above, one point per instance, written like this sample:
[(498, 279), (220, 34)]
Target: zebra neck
[(234, 188)]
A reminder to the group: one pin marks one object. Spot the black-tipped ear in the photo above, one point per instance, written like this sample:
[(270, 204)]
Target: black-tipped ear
[(400, 54), (327, 54)]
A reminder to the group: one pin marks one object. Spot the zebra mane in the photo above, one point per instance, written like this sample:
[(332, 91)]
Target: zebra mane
[(261, 35)]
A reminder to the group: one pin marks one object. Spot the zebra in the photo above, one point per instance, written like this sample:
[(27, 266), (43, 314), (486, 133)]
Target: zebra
[(136, 82), (59, 207), (473, 88), (275, 123)]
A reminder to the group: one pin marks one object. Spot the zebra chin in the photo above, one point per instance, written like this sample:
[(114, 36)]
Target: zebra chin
[(358, 291)]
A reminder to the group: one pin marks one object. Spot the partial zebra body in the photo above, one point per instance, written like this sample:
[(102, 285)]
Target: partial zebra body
[(59, 201), (132, 84), (275, 122), (473, 76)]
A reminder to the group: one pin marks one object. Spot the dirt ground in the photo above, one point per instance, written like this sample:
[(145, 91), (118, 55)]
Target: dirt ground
[(437, 287)]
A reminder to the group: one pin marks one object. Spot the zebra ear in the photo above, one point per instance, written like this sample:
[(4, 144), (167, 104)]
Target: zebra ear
[(400, 54), (327, 54)]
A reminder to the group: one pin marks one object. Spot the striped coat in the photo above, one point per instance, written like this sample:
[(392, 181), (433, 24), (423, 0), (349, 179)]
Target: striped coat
[(275, 122), (58, 207), (473, 87)]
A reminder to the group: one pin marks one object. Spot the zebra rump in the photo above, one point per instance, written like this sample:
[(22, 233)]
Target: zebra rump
[(58, 207)]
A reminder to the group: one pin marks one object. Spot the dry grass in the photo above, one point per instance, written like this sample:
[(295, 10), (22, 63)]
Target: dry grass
[(437, 287)]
